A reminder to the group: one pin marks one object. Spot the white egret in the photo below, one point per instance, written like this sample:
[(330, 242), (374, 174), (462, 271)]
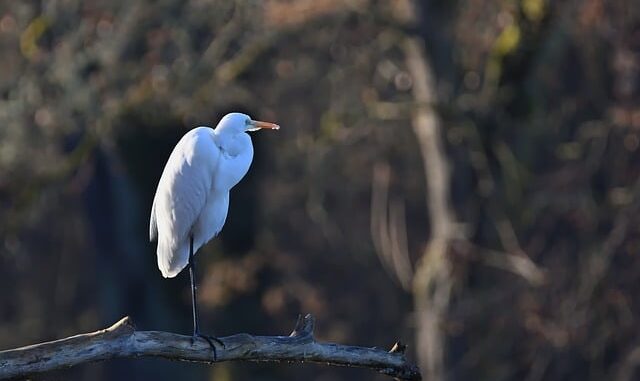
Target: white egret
[(191, 203)]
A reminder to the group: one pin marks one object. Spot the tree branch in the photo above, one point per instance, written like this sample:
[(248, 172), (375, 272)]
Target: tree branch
[(122, 340)]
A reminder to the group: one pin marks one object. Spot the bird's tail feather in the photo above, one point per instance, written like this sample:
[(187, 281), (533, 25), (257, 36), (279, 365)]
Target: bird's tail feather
[(172, 258)]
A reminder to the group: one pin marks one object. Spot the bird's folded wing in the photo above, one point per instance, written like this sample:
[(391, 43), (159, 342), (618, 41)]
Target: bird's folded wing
[(182, 192), (153, 226)]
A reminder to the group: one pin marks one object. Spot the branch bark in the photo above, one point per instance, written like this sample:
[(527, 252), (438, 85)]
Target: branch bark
[(122, 340)]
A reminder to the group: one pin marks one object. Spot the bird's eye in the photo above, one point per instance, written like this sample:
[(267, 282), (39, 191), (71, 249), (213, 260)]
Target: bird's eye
[(247, 122)]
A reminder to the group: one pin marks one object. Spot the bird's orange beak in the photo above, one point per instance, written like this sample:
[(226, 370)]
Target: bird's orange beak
[(258, 124)]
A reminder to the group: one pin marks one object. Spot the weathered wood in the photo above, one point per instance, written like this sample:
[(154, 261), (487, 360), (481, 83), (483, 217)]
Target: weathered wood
[(123, 340)]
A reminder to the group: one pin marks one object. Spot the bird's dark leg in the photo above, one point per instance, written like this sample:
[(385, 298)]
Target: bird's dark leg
[(196, 328), (192, 273)]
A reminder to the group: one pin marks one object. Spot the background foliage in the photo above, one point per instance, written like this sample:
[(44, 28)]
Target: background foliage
[(540, 112)]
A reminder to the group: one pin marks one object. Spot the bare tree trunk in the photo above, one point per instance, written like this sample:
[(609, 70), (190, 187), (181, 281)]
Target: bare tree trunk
[(432, 279)]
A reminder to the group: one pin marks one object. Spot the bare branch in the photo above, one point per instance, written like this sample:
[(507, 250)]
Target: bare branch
[(518, 264), (432, 281), (122, 340), (388, 228)]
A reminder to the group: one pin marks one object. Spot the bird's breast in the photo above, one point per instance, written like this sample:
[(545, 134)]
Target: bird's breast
[(231, 169)]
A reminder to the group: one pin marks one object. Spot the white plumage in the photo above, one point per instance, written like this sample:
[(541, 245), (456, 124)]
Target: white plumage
[(192, 198)]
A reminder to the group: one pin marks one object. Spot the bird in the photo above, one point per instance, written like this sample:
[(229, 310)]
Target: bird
[(191, 201)]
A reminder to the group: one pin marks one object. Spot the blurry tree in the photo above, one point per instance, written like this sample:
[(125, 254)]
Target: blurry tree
[(528, 271)]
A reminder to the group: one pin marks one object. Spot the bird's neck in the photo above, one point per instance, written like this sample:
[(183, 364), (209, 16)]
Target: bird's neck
[(235, 159)]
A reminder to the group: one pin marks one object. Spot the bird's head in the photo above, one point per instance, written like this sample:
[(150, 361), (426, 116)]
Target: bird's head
[(236, 123)]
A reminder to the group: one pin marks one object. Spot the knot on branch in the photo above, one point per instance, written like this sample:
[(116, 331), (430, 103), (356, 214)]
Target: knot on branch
[(124, 323), (304, 326), (398, 347), (122, 327)]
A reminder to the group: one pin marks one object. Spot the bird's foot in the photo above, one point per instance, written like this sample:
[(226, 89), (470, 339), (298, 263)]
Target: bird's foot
[(210, 340)]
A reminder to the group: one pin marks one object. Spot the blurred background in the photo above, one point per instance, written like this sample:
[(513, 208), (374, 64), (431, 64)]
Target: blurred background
[(459, 175)]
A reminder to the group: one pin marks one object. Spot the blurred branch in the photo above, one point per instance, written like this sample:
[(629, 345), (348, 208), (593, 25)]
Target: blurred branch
[(231, 69), (122, 340), (428, 130), (432, 281), (628, 365), (598, 263), (518, 264), (388, 228)]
